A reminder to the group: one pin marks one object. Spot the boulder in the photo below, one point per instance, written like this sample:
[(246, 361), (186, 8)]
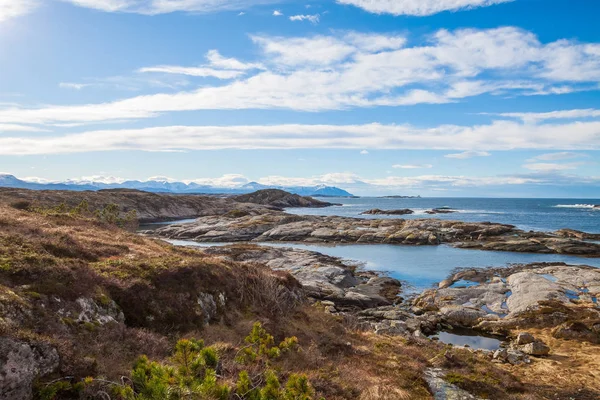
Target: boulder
[(21, 364), (535, 349), (459, 316), (524, 338)]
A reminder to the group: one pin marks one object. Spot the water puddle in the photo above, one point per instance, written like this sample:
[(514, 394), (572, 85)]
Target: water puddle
[(463, 284), (469, 338), (551, 278), (572, 295), (490, 311), (155, 225)]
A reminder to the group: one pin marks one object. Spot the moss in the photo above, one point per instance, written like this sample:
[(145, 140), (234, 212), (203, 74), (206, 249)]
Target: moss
[(104, 300), (33, 295), (455, 378), (68, 321), (89, 326), (5, 264)]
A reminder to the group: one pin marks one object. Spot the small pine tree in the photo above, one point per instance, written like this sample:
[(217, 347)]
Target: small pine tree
[(298, 388), (110, 214), (272, 388)]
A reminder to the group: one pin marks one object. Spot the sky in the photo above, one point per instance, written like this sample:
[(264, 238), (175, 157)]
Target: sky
[(490, 98)]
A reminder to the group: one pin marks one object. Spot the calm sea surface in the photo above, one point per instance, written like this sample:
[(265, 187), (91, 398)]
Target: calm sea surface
[(527, 214)]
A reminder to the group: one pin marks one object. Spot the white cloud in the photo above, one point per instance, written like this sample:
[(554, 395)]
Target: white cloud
[(216, 60), (412, 166), (564, 155), (15, 8), (562, 114), (193, 71), (468, 154), (349, 70), (364, 152), (218, 67), (546, 167), (71, 85), (277, 13), (499, 135), (19, 128), (314, 18), (153, 7), (418, 7)]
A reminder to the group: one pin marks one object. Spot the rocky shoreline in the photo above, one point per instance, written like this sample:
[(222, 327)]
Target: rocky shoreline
[(276, 226), (500, 302)]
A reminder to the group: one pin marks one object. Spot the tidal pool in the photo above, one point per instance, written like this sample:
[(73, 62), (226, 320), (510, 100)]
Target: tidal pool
[(468, 338)]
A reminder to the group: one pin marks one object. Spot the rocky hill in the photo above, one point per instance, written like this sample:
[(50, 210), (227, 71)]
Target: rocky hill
[(151, 207), (280, 198)]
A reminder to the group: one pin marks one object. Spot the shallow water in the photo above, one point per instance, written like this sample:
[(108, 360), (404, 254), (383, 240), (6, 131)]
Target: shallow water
[(471, 339), (419, 266)]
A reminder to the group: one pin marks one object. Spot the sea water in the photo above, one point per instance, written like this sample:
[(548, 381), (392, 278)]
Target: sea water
[(526, 214)]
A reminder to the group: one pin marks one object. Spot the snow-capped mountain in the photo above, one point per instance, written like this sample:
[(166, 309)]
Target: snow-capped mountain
[(167, 186)]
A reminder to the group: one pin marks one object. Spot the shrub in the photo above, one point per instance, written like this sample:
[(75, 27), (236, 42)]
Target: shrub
[(191, 373)]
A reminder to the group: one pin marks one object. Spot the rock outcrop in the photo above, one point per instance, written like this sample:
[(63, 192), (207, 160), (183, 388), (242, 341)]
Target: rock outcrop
[(281, 199), (279, 226), (532, 295), (377, 211), (322, 277), (441, 211), (21, 363)]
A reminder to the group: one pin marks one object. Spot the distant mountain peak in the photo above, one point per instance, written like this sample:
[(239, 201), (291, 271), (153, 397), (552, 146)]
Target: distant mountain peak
[(164, 185)]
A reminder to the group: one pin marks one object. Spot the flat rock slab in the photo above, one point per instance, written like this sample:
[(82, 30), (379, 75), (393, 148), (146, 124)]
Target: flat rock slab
[(279, 226)]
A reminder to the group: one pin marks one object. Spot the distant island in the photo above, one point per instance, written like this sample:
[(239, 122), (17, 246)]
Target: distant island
[(400, 197)]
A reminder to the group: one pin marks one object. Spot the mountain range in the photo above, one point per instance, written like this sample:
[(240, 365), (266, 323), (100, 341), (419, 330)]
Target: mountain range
[(163, 186)]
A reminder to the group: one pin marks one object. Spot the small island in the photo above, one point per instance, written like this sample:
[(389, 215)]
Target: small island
[(400, 197), (377, 211)]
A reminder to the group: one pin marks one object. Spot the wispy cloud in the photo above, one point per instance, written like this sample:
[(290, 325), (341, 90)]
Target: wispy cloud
[(418, 7), (500, 135), (277, 13), (153, 7), (545, 167), (20, 128), (468, 154), (561, 114), (412, 166), (217, 67), (563, 155), (15, 8), (193, 71), (72, 85), (314, 18)]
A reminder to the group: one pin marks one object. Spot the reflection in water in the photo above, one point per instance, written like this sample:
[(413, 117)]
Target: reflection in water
[(472, 340)]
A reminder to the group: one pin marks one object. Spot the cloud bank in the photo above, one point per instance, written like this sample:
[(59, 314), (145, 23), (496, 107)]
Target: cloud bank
[(499, 135), (359, 70)]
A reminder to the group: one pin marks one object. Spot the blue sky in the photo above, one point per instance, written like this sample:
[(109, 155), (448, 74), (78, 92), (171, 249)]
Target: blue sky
[(430, 97)]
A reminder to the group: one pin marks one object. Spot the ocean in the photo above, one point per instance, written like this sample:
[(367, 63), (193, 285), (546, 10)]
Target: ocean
[(526, 214)]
